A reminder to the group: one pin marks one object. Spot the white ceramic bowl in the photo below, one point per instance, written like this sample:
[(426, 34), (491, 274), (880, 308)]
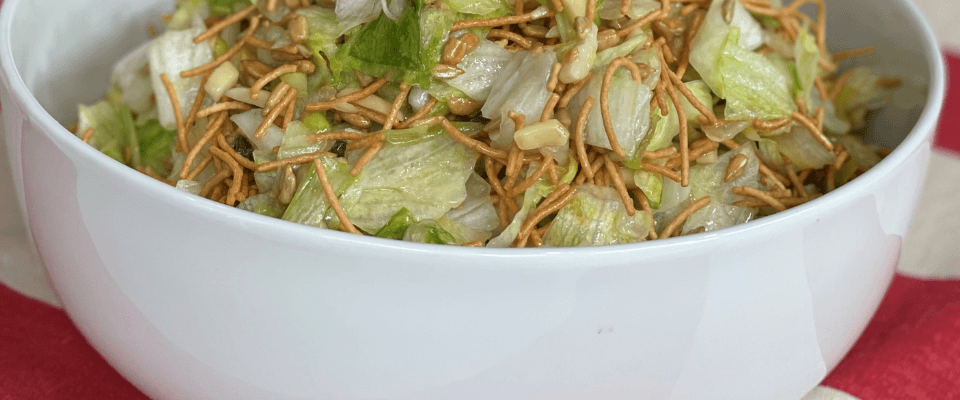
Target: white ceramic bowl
[(191, 299)]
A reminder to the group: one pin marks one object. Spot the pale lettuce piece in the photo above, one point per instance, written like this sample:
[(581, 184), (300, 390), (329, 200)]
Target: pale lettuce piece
[(586, 47), (753, 86), (769, 152), (280, 10), (177, 158), (464, 233), (310, 205), (266, 180), (673, 195), (531, 198), (249, 121), (707, 180), (606, 56), (299, 140), (355, 12), (714, 30), (832, 122), (192, 187), (485, 8), (430, 231), (172, 53), (629, 103), (263, 204), (426, 173), (594, 217), (724, 130), (860, 94), (652, 186), (806, 56), (323, 30), (189, 14), (113, 131), (476, 213), (649, 57), (751, 32), (480, 68), (665, 128), (803, 150), (861, 154), (610, 9), (131, 75), (521, 87)]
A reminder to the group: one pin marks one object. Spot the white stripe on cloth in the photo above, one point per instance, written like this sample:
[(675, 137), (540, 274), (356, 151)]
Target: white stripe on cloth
[(930, 248), (828, 393)]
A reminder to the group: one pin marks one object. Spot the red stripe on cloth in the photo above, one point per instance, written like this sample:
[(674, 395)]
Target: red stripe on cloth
[(911, 348), (43, 356), (948, 133)]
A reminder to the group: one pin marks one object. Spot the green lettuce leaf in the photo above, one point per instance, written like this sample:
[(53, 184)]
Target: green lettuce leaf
[(408, 48), (263, 204), (323, 31), (485, 8), (388, 42), (226, 7), (397, 226), (114, 133), (155, 144), (429, 231)]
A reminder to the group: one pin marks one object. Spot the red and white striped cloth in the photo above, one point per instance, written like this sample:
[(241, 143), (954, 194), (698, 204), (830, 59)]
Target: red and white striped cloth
[(910, 350)]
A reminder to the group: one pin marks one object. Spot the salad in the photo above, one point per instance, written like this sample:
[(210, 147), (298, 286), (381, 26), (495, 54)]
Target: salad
[(494, 123)]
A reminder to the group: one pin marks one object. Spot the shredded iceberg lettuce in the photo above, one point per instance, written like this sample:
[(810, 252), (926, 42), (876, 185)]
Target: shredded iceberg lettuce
[(752, 85), (522, 87), (481, 68), (531, 197), (155, 144), (802, 149), (594, 217), (485, 8), (114, 133), (425, 174), (708, 180), (629, 103), (172, 53)]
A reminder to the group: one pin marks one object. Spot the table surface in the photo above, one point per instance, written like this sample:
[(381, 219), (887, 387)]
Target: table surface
[(929, 249)]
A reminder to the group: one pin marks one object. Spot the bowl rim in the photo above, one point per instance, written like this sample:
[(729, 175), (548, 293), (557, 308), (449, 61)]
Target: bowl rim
[(307, 236)]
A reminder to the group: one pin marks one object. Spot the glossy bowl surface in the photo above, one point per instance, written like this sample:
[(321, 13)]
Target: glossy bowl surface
[(191, 299)]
